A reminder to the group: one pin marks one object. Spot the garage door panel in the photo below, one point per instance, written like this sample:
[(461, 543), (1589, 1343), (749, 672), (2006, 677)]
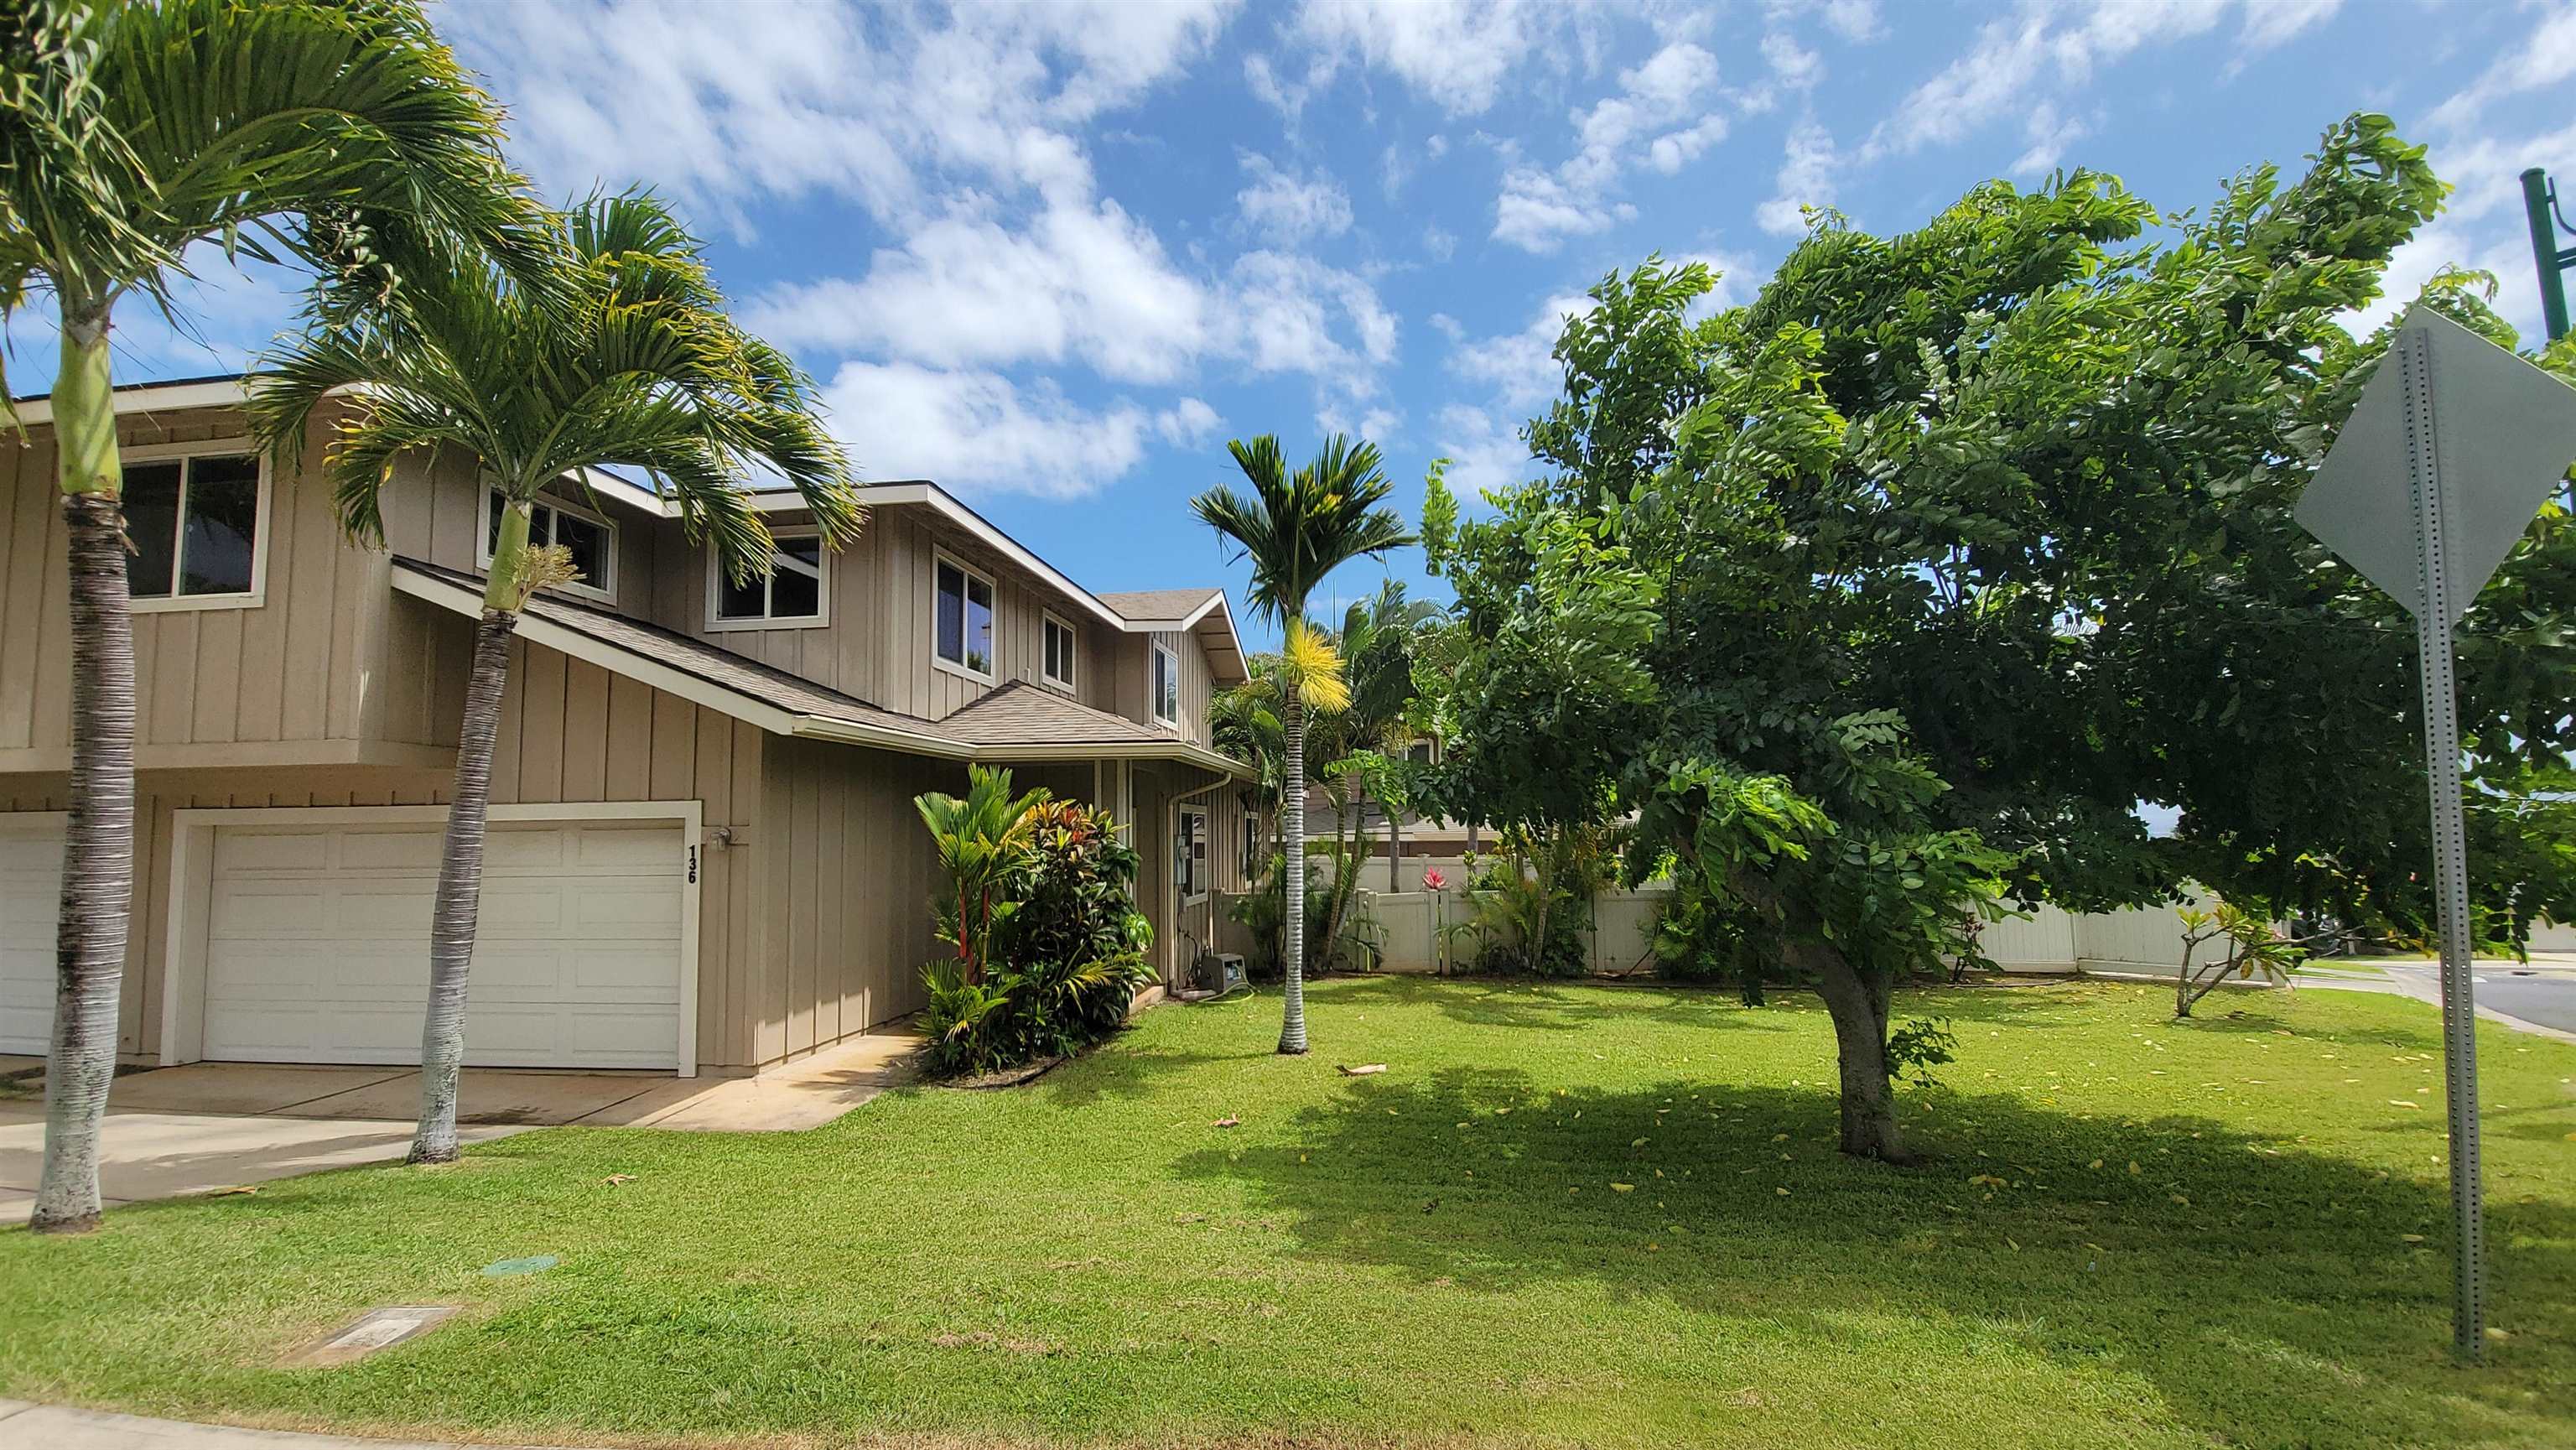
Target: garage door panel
[(408, 851), (31, 865), (511, 909), (514, 851), (318, 948), (622, 850), (627, 907), (274, 851), (626, 975)]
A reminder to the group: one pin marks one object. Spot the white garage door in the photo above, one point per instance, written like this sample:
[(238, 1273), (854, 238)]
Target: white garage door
[(31, 877), (318, 945)]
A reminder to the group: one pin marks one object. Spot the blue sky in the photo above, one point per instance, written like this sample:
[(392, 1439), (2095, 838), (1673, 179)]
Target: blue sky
[(1054, 255)]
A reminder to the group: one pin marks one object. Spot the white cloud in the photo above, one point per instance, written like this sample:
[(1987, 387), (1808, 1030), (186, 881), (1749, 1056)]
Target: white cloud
[(1188, 423), (1484, 456), (2050, 135), (1082, 281), (1456, 52), (723, 105), (1853, 20), (1517, 366), (1538, 209), (1286, 308), (2047, 50), (1438, 244), (1673, 150), (980, 432), (1807, 165), (1795, 65), (1289, 207), (2546, 58)]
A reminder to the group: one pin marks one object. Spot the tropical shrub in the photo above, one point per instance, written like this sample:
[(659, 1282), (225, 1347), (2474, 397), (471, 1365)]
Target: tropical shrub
[(1060, 945), (1534, 896)]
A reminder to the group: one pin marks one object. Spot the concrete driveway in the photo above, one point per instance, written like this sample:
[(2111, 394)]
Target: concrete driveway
[(209, 1125)]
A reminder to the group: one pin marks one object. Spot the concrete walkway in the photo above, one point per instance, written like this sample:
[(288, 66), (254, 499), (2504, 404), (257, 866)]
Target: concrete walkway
[(54, 1427), (211, 1125)]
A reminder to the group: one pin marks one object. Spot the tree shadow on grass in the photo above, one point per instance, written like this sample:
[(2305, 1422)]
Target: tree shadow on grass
[(2267, 1292)]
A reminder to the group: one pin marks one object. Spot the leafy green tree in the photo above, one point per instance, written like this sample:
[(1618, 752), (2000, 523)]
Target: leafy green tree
[(1540, 687), (1297, 528), (341, 136), (1970, 539), (621, 355)]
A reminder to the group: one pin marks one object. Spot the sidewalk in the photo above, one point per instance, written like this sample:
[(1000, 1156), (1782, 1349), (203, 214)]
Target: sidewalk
[(55, 1427)]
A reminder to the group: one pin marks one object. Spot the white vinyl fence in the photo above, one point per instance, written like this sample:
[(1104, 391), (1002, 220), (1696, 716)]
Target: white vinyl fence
[(1407, 926)]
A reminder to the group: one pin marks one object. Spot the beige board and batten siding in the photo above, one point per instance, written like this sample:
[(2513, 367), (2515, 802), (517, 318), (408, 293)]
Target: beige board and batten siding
[(812, 921), (294, 678), (877, 643)]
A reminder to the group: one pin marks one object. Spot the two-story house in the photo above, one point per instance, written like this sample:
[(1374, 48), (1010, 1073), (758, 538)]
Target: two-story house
[(704, 855)]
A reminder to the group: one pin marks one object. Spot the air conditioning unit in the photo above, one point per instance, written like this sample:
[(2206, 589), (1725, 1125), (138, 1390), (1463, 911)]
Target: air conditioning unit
[(1213, 975)]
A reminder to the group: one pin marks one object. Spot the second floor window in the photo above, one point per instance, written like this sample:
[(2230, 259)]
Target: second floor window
[(590, 539), (195, 526), (789, 592), (1059, 652), (964, 618), (1167, 686)]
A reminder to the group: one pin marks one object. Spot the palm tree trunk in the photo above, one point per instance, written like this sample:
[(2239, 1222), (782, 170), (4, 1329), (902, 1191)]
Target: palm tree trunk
[(458, 907), (1292, 831), (98, 845)]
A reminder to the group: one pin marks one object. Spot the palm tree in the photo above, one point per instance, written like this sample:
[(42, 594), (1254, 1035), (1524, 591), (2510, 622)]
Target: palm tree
[(624, 356), (1295, 530), (341, 136)]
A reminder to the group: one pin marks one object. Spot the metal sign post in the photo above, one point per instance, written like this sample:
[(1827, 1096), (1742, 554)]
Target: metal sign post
[(2455, 445)]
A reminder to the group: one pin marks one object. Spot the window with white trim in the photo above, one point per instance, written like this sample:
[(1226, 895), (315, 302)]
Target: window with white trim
[(962, 619), (1190, 853), (195, 521), (1059, 643), (793, 592), (1167, 686), (590, 539)]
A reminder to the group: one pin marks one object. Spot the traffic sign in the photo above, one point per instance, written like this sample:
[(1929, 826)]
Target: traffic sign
[(2454, 445)]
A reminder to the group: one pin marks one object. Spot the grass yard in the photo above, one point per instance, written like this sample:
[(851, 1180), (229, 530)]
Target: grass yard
[(2135, 1233)]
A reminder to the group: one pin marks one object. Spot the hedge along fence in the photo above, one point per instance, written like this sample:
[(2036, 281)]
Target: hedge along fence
[(2048, 940)]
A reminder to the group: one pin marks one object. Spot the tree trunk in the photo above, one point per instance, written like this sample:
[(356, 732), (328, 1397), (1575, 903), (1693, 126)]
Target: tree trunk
[(458, 906), (1292, 834), (1858, 1002), (98, 845)]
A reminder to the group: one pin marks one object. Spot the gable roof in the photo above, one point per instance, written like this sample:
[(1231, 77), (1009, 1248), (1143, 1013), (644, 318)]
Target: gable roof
[(1020, 721), (1162, 608), (1224, 646), (1026, 713)]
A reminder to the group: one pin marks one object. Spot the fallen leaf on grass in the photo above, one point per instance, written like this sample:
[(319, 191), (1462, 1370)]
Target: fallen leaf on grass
[(1366, 1069), (1623, 1188), (614, 1179), (2412, 1238), (238, 1190), (1227, 1123)]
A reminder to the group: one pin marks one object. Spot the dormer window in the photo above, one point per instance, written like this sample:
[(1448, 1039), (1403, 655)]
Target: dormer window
[(792, 593), (590, 539), (1167, 686), (962, 618), (1058, 663)]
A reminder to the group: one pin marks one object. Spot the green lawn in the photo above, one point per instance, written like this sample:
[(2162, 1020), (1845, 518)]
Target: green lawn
[(2135, 1233)]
